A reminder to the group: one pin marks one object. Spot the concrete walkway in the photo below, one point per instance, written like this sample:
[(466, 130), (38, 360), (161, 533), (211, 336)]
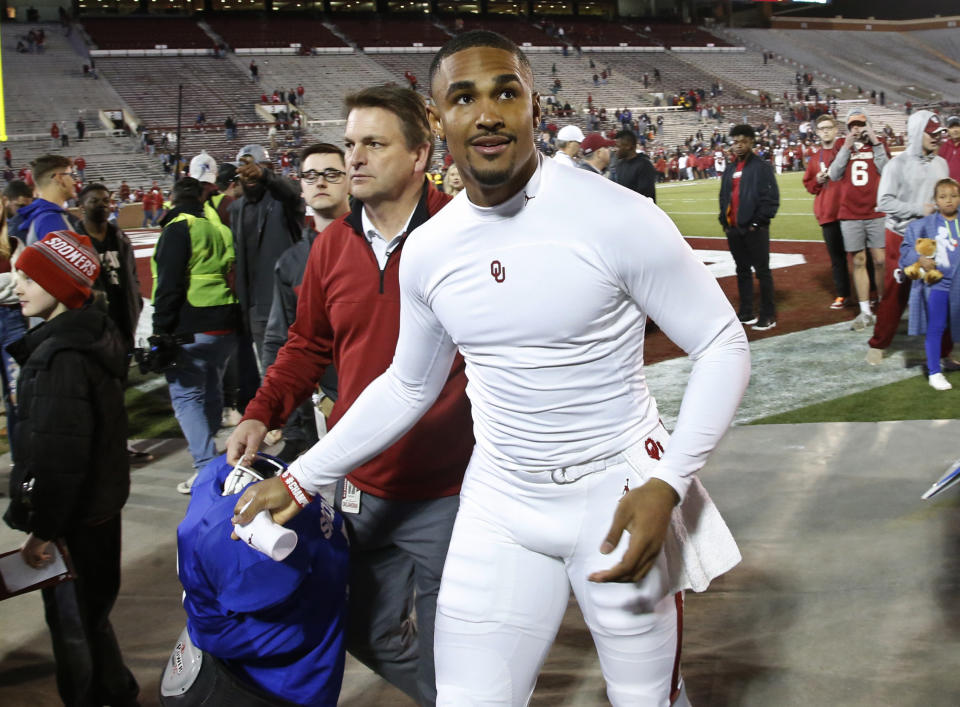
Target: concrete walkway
[(844, 595)]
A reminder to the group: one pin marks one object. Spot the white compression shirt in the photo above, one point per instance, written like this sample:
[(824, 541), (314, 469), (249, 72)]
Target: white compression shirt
[(546, 296)]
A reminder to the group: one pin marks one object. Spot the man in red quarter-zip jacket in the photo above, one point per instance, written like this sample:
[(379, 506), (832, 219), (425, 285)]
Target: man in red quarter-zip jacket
[(399, 506)]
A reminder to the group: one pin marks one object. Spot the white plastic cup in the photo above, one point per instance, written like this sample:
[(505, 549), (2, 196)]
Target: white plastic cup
[(270, 538)]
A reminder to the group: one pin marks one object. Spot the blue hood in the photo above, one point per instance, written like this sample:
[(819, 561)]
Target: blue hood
[(37, 208)]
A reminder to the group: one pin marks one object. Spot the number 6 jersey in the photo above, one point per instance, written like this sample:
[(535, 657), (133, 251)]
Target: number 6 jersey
[(858, 173)]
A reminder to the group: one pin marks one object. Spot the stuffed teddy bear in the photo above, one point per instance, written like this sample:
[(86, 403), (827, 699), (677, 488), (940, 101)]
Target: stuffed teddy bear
[(927, 247)]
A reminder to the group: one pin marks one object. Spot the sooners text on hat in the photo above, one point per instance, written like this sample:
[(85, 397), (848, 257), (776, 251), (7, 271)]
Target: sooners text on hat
[(73, 255)]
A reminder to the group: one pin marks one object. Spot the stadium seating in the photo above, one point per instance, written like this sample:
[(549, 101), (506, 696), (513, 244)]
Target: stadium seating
[(110, 160), (146, 33), (240, 32), (326, 79), (902, 65), (676, 72), (42, 88), (588, 32), (516, 28), (218, 87), (395, 31), (676, 35), (748, 71)]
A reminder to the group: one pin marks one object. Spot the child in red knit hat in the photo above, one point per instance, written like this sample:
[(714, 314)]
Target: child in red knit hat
[(72, 474)]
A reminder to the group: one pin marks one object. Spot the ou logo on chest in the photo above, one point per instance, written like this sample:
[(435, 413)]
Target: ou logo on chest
[(498, 271)]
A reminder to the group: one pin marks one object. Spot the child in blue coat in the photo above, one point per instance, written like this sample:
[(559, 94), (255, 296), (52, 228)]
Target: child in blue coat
[(936, 308)]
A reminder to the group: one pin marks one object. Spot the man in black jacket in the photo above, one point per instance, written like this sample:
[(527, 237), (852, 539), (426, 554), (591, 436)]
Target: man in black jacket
[(118, 269), (749, 199), (633, 169), (72, 476), (192, 296), (265, 220)]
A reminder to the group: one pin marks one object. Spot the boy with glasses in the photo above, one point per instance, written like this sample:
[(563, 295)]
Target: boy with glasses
[(326, 193), (826, 204), (56, 184)]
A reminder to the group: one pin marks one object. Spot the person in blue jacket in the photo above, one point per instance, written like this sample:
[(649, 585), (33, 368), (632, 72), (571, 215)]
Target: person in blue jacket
[(56, 183), (935, 308), (276, 626)]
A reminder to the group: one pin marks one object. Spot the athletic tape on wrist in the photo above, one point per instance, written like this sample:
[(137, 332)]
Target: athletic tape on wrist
[(296, 491)]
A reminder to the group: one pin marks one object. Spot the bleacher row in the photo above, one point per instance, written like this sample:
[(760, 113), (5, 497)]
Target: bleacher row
[(242, 33), (219, 87)]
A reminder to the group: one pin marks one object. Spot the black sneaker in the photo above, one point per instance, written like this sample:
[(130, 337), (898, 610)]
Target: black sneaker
[(747, 319), (764, 324)]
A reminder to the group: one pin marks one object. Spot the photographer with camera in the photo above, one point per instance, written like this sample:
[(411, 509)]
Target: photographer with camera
[(192, 295)]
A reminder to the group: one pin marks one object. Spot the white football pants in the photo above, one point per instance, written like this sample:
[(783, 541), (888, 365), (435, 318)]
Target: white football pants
[(518, 546)]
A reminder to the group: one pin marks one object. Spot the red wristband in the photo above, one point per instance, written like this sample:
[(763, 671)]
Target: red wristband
[(296, 491)]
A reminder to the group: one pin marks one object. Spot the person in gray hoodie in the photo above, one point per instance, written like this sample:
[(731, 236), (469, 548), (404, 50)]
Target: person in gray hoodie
[(904, 195)]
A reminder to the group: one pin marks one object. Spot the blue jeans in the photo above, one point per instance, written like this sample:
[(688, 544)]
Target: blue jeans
[(13, 327), (196, 392), (938, 314)]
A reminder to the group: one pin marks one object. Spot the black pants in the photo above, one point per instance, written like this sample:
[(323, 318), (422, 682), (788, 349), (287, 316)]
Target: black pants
[(90, 668), (751, 253), (838, 258)]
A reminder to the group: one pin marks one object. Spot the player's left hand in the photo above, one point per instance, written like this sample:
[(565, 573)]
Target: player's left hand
[(645, 514), (872, 136)]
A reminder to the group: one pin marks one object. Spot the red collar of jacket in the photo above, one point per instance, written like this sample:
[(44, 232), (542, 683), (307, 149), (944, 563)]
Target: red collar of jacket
[(431, 201)]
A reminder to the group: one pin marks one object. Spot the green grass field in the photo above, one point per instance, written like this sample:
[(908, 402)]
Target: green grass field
[(693, 206), (911, 399)]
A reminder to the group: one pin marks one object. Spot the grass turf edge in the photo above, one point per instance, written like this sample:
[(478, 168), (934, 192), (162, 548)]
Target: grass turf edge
[(910, 399)]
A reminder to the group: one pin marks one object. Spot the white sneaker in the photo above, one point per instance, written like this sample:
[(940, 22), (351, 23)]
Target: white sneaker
[(185, 487), (862, 321), (939, 382)]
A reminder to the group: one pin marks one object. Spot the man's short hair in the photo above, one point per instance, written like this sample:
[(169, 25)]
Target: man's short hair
[(96, 186), (406, 104), (627, 135), (744, 130), (477, 38), (825, 118), (44, 165), (187, 190), (17, 188), (320, 148), (945, 182)]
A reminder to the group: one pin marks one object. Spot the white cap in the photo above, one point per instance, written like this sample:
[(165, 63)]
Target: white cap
[(203, 168), (570, 133)]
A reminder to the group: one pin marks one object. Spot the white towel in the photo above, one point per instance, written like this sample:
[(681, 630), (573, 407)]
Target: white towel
[(699, 545)]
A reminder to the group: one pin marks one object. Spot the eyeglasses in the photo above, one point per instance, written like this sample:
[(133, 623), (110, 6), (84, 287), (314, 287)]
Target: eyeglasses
[(73, 175), (331, 175)]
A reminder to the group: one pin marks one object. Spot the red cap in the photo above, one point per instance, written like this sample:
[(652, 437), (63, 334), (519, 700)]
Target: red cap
[(934, 125), (65, 264), (593, 142)]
